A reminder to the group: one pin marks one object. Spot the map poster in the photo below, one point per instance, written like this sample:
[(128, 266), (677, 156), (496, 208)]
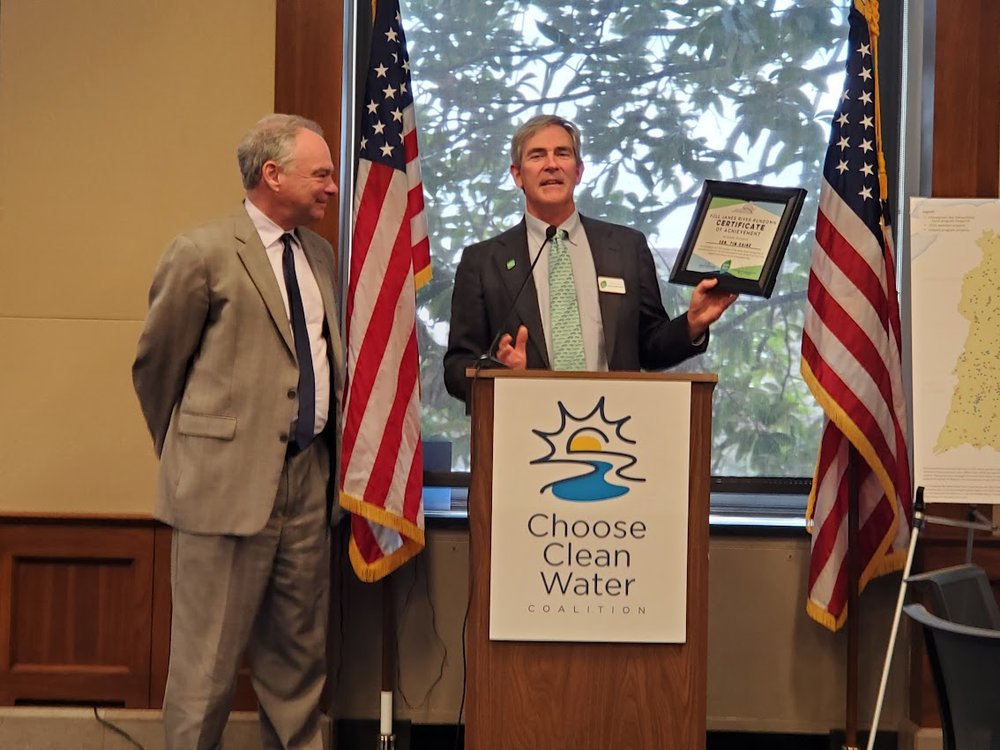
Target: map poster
[(955, 293)]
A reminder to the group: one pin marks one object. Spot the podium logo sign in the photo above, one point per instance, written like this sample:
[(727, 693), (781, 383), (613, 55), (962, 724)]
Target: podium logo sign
[(594, 451), (589, 526)]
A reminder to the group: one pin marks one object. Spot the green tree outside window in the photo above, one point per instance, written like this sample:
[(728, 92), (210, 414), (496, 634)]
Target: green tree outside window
[(667, 94)]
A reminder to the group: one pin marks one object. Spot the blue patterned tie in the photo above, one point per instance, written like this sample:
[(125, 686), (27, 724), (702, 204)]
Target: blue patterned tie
[(567, 334), (304, 425)]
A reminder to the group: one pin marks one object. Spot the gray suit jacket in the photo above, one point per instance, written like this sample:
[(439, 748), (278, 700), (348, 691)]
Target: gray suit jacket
[(216, 376), (638, 333)]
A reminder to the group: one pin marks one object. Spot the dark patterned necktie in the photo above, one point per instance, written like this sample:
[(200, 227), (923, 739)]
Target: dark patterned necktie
[(305, 424)]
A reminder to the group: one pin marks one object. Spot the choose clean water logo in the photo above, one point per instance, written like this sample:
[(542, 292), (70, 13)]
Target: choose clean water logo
[(594, 449)]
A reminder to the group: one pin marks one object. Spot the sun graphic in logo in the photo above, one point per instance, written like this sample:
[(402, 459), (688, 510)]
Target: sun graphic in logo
[(594, 447)]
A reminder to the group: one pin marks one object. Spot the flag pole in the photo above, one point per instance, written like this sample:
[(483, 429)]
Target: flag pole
[(386, 739), (871, 13), (853, 577), (348, 149)]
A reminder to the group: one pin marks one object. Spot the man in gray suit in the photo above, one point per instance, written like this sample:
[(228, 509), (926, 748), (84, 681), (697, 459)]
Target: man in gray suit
[(622, 324), (239, 371)]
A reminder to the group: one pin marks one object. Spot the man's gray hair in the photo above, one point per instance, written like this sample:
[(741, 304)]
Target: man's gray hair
[(271, 139), (537, 123)]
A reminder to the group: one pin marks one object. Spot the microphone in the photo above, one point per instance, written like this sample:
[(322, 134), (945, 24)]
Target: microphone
[(486, 359)]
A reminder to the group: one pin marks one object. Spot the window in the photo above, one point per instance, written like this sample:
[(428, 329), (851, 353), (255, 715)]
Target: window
[(666, 95)]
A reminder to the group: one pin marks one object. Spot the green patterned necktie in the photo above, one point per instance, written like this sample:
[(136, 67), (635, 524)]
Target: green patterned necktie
[(567, 334)]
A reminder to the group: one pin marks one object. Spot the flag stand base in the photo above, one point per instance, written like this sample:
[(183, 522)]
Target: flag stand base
[(886, 740), (976, 522), (366, 734)]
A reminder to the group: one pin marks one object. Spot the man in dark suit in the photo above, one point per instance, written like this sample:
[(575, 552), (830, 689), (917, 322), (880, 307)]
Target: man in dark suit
[(238, 373), (622, 323)]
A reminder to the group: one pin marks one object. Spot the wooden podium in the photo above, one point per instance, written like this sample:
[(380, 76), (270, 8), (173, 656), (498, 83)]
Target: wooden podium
[(587, 696)]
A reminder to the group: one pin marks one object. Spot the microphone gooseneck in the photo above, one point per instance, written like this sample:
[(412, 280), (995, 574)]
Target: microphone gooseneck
[(486, 359)]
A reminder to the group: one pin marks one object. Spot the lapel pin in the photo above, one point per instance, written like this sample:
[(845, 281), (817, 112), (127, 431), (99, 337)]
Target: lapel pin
[(510, 264)]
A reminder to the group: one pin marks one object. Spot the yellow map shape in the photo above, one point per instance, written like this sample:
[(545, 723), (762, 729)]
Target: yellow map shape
[(974, 416)]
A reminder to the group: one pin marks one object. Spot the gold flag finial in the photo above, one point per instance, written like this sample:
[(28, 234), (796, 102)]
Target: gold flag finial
[(869, 9)]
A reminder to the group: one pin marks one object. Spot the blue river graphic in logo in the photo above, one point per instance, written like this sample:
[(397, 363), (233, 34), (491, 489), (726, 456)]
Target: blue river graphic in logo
[(593, 449)]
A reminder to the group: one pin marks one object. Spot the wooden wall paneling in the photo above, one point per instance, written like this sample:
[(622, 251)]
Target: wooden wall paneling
[(159, 657), (308, 68), (6, 619), (966, 160), (77, 604), (244, 698)]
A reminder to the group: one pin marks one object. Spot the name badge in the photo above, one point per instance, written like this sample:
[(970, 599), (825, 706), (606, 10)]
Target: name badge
[(611, 285)]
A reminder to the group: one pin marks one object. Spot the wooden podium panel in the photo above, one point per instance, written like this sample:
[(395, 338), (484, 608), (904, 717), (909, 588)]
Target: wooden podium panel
[(587, 696)]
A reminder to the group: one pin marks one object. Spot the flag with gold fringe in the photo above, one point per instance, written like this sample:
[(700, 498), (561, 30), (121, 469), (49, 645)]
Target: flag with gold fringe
[(382, 456), (851, 346)]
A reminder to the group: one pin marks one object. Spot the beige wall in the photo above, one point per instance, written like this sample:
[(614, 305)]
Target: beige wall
[(118, 127)]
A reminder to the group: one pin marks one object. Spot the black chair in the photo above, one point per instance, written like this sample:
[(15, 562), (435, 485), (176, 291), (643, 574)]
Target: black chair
[(961, 594), (965, 664)]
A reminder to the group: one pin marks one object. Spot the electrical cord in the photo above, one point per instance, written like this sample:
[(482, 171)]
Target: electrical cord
[(117, 730), (465, 661), (418, 564)]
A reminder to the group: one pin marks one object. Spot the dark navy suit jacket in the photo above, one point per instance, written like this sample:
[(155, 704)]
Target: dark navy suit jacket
[(638, 333)]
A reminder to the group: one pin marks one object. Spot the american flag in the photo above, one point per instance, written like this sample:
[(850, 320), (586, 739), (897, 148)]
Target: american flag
[(851, 348), (382, 459)]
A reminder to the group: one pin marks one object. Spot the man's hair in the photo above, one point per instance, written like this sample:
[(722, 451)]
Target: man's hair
[(271, 139), (537, 123)]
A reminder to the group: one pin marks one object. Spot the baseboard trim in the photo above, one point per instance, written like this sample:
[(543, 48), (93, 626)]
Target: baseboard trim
[(42, 726)]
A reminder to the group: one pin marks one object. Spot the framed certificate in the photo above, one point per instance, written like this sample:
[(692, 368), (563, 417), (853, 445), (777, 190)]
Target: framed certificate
[(739, 235)]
